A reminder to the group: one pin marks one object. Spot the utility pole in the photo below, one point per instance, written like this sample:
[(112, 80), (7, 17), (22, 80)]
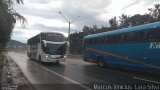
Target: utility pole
[(69, 22)]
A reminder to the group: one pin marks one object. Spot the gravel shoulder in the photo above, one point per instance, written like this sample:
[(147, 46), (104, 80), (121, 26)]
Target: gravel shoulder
[(13, 76)]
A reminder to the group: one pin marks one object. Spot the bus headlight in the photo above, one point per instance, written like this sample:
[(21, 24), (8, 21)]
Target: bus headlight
[(46, 56), (63, 56)]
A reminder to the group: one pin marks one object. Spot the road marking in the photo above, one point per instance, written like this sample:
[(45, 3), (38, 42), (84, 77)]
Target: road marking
[(146, 80), (83, 86)]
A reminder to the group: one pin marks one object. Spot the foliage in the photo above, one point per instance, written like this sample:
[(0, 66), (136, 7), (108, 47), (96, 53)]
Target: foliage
[(113, 22), (77, 39), (8, 17), (124, 20), (155, 12)]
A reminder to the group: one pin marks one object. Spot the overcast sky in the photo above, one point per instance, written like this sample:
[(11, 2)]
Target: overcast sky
[(42, 15)]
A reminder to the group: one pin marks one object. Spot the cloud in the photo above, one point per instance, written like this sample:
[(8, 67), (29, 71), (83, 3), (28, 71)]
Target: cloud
[(48, 28), (37, 1), (42, 15), (88, 10), (22, 34), (39, 8), (149, 3), (132, 3)]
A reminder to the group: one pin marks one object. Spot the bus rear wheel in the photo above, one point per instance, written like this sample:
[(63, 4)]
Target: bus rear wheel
[(101, 62)]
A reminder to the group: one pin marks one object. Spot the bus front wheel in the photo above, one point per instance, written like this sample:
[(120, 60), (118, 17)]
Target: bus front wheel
[(101, 62)]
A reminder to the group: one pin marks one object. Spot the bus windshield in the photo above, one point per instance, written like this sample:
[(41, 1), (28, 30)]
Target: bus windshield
[(55, 49)]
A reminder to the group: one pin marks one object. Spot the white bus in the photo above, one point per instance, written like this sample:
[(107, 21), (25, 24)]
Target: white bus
[(47, 47)]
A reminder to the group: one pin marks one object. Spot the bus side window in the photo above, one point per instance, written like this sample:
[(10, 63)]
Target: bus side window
[(156, 35), (94, 41), (121, 38), (133, 36), (138, 36), (105, 39), (89, 41), (100, 40), (118, 39), (113, 39), (145, 35), (125, 38), (153, 35), (109, 39), (97, 40)]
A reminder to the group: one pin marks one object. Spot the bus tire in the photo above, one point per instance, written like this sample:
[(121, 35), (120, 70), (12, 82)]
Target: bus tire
[(40, 61), (101, 62)]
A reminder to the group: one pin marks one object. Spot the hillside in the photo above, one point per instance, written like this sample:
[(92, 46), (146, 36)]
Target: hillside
[(14, 42), (16, 46)]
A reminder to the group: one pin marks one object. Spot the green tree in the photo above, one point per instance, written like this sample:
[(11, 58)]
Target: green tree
[(124, 20), (8, 18), (113, 22), (76, 42), (140, 19), (155, 12)]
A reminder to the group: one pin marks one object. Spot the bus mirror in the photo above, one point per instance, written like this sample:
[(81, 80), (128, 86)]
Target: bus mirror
[(45, 44)]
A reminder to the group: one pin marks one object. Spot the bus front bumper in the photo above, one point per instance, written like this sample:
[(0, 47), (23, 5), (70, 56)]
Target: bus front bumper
[(55, 60)]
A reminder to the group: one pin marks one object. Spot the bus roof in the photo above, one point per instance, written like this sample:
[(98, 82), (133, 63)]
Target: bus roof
[(45, 33), (125, 30)]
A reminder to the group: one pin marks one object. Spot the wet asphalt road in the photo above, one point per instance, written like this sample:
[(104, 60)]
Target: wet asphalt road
[(77, 75)]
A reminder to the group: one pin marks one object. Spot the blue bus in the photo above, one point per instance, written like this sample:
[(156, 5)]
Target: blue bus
[(135, 47)]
